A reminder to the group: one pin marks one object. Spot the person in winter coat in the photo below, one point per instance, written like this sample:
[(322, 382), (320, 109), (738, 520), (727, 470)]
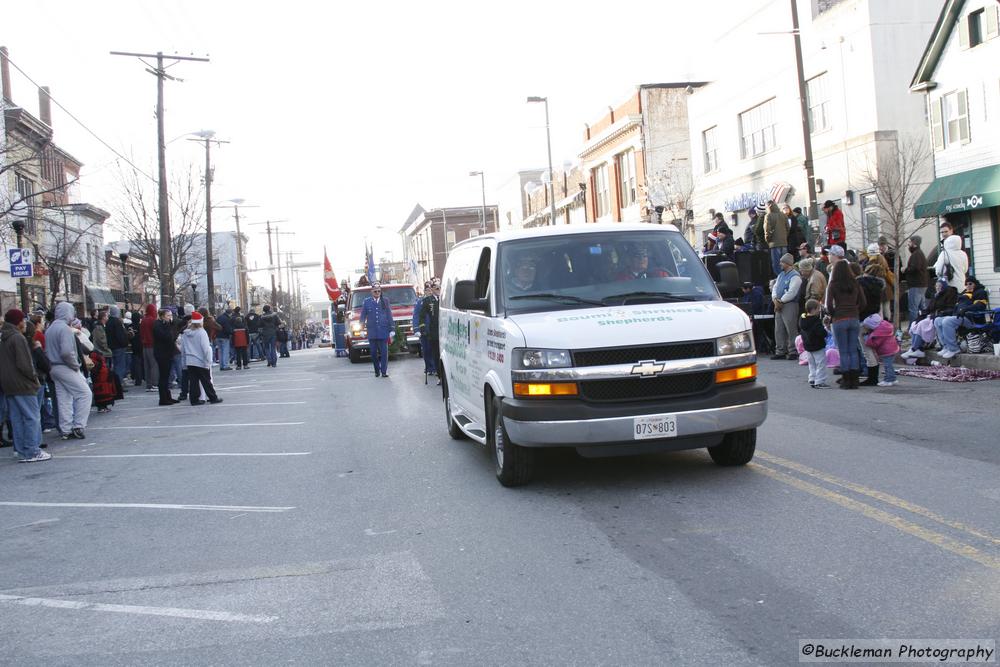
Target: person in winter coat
[(73, 395), (970, 309), (224, 337), (42, 369), (269, 323), (785, 296), (376, 317), (99, 335), (197, 352), (428, 317), (282, 338), (241, 340), (118, 342), (776, 236), (20, 388), (874, 287), (814, 282), (923, 332), (164, 349), (807, 233), (795, 235), (880, 337), (103, 382), (150, 368), (952, 262), (814, 342), (836, 232), (877, 267), (915, 275), (844, 301)]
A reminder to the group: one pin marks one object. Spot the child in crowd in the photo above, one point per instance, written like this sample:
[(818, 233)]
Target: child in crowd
[(814, 341), (880, 337)]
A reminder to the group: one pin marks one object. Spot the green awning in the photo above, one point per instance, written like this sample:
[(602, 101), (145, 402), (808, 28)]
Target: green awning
[(965, 191)]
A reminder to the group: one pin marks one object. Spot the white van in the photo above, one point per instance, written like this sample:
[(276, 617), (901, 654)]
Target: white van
[(612, 339)]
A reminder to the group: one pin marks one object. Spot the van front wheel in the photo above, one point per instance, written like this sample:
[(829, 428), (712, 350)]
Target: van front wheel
[(736, 448), (514, 464)]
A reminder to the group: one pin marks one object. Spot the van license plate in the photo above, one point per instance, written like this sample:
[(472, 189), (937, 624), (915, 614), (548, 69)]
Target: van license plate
[(654, 426)]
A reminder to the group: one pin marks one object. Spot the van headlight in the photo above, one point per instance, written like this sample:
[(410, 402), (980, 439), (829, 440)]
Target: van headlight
[(355, 327), (530, 359), (736, 344)]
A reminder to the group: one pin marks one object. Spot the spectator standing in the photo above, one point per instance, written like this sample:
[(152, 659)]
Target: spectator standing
[(807, 233), (814, 282), (880, 337), (164, 350), (916, 277), (73, 395), (138, 374), (150, 367), (99, 335), (253, 330), (224, 337), (844, 301), (269, 322), (814, 343), (20, 388), (118, 343), (785, 295), (836, 232), (776, 236), (952, 262), (795, 236), (873, 285), (241, 340), (758, 226), (42, 369), (197, 353)]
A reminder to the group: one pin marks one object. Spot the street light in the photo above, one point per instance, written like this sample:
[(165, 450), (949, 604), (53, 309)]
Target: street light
[(18, 225), (482, 184), (548, 141)]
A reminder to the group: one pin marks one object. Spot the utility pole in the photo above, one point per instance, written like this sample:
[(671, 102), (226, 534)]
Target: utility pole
[(209, 252), (270, 259), (804, 112), (166, 291), (241, 266)]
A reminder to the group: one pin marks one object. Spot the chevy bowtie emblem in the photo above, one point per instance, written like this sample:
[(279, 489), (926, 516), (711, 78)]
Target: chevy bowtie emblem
[(647, 368)]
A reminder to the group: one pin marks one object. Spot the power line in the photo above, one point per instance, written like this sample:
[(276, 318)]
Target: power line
[(83, 125)]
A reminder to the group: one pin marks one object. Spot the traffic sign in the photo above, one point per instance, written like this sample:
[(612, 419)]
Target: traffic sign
[(20, 256), (20, 270)]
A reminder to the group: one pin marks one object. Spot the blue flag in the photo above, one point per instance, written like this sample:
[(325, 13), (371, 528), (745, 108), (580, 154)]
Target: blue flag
[(370, 266)]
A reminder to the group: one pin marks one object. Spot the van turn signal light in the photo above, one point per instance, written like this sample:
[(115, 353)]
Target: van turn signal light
[(540, 389), (736, 374)]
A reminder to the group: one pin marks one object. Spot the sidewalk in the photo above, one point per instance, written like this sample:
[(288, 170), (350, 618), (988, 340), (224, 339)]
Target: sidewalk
[(982, 362)]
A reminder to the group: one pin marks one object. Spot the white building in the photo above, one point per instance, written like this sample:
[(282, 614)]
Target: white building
[(225, 263), (746, 127), (959, 79), (512, 196)]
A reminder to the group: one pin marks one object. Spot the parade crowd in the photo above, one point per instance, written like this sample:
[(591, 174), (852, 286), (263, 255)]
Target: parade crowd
[(55, 367)]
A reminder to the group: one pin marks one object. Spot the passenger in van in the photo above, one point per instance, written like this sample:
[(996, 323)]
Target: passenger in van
[(524, 271), (637, 266)]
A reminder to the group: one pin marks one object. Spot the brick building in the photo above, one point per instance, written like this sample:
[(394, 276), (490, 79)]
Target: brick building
[(428, 235)]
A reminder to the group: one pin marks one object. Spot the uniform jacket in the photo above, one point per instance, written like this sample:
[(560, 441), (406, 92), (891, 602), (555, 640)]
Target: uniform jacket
[(429, 314), (376, 317)]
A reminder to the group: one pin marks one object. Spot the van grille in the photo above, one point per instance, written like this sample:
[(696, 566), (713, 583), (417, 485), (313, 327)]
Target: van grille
[(633, 355), (633, 389)]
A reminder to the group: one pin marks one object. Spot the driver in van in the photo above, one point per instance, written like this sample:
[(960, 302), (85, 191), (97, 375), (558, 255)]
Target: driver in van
[(524, 270), (637, 266)]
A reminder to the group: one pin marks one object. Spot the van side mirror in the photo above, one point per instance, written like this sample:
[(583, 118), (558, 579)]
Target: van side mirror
[(729, 279), (465, 297)]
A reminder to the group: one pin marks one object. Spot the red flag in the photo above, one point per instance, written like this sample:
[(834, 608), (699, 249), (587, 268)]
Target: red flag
[(330, 280)]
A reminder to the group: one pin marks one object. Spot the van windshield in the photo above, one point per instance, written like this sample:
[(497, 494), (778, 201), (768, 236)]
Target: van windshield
[(601, 269), (396, 296)]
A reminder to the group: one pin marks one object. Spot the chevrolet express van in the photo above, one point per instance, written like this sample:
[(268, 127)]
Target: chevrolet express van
[(611, 339)]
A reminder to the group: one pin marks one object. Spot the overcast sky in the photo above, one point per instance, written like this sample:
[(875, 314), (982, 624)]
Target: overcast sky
[(342, 116)]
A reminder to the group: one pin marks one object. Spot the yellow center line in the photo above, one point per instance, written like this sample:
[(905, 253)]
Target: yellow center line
[(897, 522), (878, 495)]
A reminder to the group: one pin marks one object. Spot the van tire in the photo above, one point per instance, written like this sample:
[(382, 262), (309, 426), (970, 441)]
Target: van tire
[(736, 449), (514, 464), (354, 356), (453, 430)]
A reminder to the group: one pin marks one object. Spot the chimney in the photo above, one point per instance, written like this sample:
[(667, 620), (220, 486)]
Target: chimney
[(5, 74), (45, 105)]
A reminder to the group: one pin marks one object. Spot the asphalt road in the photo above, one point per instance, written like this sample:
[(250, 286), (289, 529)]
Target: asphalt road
[(321, 516)]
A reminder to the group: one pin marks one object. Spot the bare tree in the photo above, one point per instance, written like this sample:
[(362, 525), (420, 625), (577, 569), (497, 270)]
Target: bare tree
[(19, 159), (897, 178), (672, 190), (57, 248), (137, 218)]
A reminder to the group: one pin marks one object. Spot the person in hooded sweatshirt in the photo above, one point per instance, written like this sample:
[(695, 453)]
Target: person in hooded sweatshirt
[(197, 350), (150, 370), (952, 263), (72, 392)]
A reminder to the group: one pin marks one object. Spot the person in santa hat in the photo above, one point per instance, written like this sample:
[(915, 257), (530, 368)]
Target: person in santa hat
[(197, 351)]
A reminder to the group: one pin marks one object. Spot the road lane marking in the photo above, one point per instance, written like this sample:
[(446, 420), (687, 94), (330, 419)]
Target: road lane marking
[(40, 522), (224, 405), (897, 522), (167, 456), (174, 612), (119, 428), (283, 390), (149, 506), (879, 495)]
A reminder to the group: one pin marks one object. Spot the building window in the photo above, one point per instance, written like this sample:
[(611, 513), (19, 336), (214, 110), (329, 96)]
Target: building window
[(710, 149), (818, 99), (25, 190), (757, 134), (601, 198), (473, 233), (76, 283), (626, 178), (950, 120), (870, 224), (451, 238), (216, 264)]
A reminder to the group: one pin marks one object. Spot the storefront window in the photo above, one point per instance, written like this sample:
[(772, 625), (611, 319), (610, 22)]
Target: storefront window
[(870, 224)]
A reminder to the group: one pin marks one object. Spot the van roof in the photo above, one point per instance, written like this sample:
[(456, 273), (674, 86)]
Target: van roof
[(561, 230)]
